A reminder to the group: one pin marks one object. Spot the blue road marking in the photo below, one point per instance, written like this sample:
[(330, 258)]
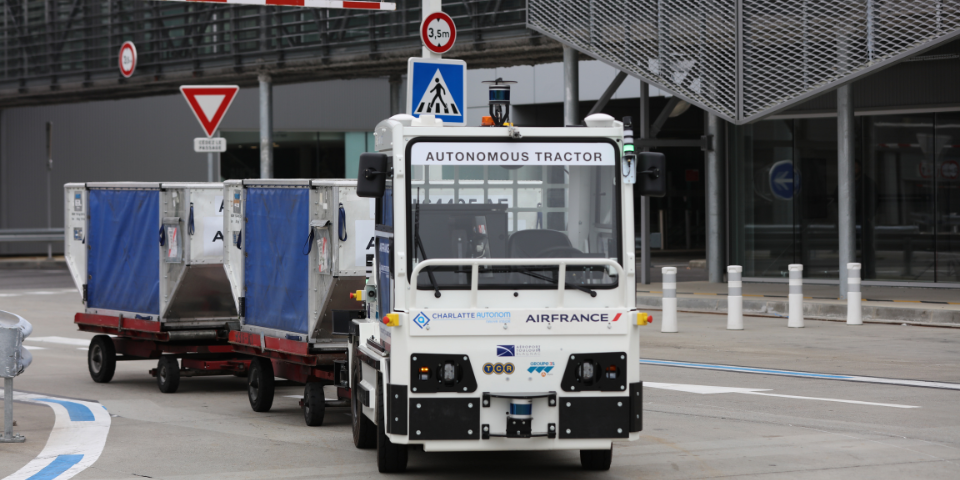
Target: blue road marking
[(745, 369), (78, 412), (59, 465)]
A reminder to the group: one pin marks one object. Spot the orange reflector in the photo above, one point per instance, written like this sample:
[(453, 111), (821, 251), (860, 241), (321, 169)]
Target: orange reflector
[(486, 121), (612, 368), (424, 369)]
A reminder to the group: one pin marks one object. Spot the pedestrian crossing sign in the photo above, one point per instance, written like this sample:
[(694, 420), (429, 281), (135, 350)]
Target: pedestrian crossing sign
[(437, 87)]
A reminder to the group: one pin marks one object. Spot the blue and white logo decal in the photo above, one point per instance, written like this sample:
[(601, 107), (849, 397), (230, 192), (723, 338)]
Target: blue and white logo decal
[(543, 368), (506, 350), (421, 320)]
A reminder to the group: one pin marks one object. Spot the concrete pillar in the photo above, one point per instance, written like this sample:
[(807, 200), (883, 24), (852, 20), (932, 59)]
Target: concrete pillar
[(266, 125), (571, 87), (396, 81), (716, 233), (643, 132), (846, 189)]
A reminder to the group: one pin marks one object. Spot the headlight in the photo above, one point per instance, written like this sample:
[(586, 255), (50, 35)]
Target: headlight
[(449, 373), (587, 371)]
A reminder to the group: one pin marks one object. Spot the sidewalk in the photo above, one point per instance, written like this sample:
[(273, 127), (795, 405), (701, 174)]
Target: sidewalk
[(915, 306)]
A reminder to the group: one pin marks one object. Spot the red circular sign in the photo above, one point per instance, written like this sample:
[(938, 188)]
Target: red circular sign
[(438, 32), (128, 59)]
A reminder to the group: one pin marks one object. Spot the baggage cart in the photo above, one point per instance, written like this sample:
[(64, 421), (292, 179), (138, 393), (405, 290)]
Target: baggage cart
[(297, 250), (147, 260)]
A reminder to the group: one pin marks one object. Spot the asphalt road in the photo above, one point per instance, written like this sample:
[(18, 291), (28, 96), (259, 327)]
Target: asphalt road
[(208, 431)]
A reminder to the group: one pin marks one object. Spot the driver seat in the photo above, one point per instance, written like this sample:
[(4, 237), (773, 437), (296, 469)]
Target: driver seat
[(530, 243)]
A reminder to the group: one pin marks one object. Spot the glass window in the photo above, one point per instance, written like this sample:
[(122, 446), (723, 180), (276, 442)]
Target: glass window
[(815, 185), (763, 222), (895, 195), (524, 211), (945, 148)]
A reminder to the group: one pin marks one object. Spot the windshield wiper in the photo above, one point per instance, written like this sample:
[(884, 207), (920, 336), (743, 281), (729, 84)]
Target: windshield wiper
[(557, 282), (418, 244)]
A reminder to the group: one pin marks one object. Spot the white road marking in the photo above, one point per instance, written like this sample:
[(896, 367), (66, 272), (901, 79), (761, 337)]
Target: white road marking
[(701, 389), (32, 347), (60, 340), (894, 405), (75, 443), (710, 390)]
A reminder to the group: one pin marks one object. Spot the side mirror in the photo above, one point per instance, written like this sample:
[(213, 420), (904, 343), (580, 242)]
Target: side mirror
[(651, 174), (372, 177)]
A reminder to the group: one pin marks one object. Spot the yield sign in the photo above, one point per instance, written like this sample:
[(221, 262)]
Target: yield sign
[(209, 103)]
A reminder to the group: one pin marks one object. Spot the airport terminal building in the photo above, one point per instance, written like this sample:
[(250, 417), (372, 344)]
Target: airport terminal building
[(775, 174)]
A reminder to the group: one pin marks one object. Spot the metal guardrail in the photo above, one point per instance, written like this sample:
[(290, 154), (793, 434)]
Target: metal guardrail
[(56, 49), (31, 235)]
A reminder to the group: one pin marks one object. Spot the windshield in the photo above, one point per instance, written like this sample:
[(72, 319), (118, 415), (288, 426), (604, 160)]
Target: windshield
[(561, 202)]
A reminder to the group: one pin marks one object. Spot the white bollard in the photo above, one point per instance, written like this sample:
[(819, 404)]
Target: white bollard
[(734, 298), (795, 297), (669, 323), (854, 314)]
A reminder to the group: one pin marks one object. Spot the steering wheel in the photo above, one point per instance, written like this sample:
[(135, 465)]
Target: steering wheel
[(561, 252)]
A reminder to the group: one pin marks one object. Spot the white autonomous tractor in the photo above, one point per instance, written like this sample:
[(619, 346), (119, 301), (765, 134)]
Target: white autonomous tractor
[(501, 308)]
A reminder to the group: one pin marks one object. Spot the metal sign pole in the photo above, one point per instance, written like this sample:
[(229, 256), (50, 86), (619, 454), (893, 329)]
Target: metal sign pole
[(428, 7), (211, 170), (49, 172)]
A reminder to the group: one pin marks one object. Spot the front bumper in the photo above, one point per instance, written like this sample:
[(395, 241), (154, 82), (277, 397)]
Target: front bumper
[(473, 422)]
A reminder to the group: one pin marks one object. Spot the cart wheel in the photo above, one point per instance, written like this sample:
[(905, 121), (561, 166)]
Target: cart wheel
[(260, 385), (596, 459), (101, 359), (168, 374), (364, 431), (314, 404), (391, 458)]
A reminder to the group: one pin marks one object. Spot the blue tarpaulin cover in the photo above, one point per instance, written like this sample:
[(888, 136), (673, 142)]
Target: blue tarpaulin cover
[(275, 269), (124, 257)]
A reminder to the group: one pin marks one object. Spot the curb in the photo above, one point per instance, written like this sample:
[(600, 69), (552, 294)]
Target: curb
[(812, 310)]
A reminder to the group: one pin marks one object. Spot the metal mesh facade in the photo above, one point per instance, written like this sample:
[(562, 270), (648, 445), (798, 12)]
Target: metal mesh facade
[(746, 59)]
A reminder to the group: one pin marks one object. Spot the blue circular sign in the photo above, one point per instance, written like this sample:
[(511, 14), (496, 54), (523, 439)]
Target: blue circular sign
[(784, 180)]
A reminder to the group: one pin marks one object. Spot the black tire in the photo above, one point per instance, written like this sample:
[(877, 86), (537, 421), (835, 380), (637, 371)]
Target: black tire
[(260, 385), (168, 374), (391, 458), (101, 359), (596, 459), (364, 431), (314, 404)]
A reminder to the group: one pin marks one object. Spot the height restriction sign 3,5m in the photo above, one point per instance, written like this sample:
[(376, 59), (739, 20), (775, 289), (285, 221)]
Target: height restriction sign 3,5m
[(438, 32)]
